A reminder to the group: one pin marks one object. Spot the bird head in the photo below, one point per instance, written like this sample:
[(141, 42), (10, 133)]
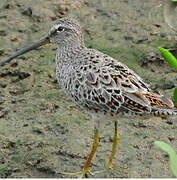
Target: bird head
[(65, 32)]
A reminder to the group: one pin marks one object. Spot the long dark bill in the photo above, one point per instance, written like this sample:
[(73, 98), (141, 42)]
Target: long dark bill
[(25, 50)]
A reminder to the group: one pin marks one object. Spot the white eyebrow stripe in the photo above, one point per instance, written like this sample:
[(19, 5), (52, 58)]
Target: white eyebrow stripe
[(57, 26), (54, 28)]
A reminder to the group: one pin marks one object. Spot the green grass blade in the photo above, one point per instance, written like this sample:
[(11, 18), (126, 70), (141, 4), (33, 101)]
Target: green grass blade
[(168, 57), (171, 153), (175, 95)]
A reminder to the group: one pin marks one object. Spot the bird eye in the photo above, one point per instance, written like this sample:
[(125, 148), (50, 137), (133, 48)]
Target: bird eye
[(60, 29)]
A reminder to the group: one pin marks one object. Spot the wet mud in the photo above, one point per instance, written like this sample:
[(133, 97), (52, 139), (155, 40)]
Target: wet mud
[(42, 133)]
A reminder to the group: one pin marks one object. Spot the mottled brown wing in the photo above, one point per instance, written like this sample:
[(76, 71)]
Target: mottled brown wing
[(108, 85), (138, 96)]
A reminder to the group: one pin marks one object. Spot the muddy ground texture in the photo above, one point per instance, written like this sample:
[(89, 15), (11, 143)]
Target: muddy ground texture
[(42, 133)]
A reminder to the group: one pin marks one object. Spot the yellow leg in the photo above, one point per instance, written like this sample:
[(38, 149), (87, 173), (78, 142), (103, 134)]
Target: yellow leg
[(114, 146), (94, 148), (86, 169)]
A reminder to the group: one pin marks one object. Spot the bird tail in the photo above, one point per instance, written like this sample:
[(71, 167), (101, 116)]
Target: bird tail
[(163, 111), (161, 105)]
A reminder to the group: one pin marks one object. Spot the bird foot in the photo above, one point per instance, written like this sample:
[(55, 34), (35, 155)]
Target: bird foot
[(79, 174), (110, 166)]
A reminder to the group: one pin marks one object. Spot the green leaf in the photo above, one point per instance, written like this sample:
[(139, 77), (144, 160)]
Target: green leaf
[(168, 57), (174, 0), (175, 95), (171, 153)]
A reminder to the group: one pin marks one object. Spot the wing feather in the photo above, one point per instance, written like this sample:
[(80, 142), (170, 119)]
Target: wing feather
[(112, 86)]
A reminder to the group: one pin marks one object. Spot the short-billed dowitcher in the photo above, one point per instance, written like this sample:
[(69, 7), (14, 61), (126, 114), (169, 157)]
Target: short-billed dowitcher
[(100, 85)]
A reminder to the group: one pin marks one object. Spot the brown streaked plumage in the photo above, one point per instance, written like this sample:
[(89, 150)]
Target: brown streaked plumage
[(100, 85)]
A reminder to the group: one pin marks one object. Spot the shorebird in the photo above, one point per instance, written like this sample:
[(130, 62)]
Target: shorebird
[(100, 85)]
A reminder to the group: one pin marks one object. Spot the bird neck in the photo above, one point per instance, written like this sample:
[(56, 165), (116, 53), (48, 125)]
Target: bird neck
[(66, 52)]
